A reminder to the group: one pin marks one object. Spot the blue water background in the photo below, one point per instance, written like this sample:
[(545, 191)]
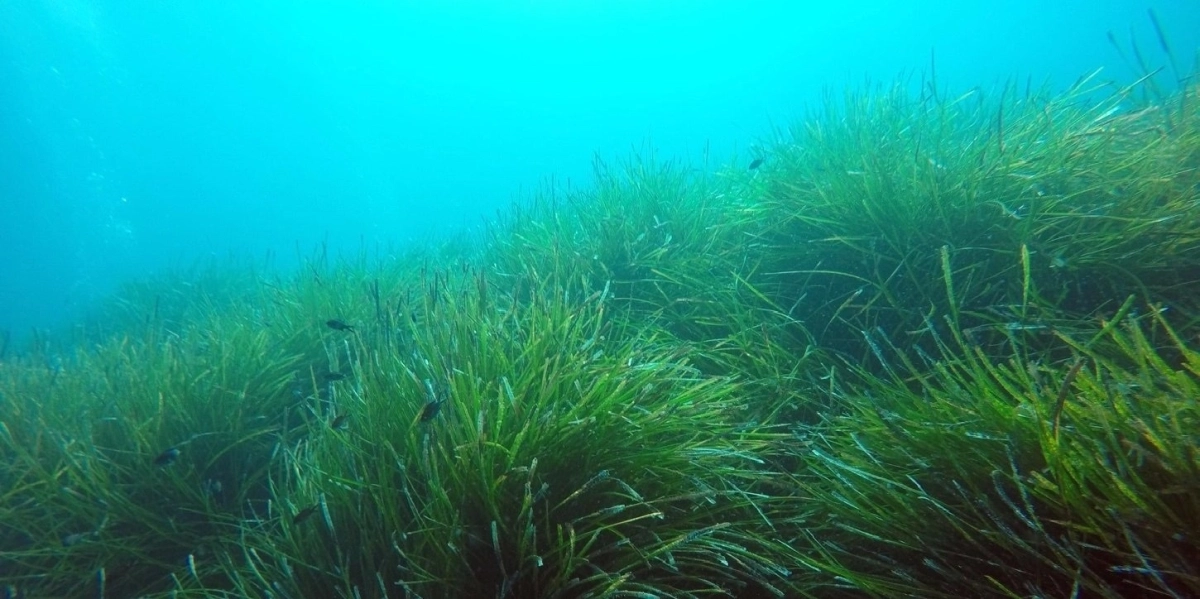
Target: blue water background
[(137, 135)]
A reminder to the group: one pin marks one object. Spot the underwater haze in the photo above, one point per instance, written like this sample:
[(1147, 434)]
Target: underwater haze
[(139, 135)]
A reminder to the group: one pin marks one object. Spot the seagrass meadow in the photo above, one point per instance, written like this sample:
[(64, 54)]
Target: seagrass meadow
[(935, 345)]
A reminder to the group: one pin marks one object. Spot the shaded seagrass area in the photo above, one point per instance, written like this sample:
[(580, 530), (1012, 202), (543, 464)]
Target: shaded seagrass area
[(934, 345)]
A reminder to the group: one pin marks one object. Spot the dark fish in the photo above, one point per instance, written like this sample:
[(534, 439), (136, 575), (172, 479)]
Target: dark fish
[(757, 162), (339, 325), (333, 376), (1063, 392), (305, 513), (167, 457), (339, 423), (430, 411)]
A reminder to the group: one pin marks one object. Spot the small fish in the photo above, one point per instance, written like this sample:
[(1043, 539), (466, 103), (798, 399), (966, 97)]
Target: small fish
[(430, 411), (757, 162), (333, 376), (339, 325), (1063, 392), (74, 539), (212, 487), (305, 513), (167, 457), (339, 423)]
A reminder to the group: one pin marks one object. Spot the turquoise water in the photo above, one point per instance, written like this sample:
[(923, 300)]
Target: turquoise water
[(141, 135)]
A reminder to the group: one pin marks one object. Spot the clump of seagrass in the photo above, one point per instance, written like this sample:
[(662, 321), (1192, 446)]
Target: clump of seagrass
[(1041, 207), (1028, 478), (572, 455)]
